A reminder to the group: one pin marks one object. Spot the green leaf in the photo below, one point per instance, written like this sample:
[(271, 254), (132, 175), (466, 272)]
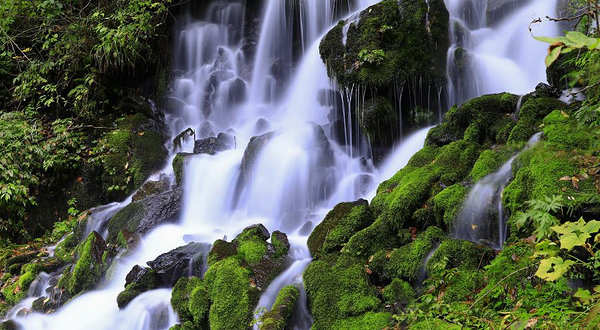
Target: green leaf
[(553, 268), (569, 227), (572, 240), (546, 248), (584, 295), (580, 39), (591, 227), (554, 53)]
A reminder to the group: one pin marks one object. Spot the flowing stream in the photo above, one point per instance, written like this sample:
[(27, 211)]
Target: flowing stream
[(301, 171)]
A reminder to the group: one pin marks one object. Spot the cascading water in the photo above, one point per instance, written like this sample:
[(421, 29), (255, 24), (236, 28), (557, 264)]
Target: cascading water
[(491, 50), (482, 218)]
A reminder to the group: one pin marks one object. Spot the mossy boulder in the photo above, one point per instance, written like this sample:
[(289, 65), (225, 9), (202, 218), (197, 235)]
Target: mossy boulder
[(280, 244), (232, 295), (486, 119), (447, 204), (89, 270), (179, 163), (150, 188), (379, 121), (338, 226), (391, 42), (531, 114), (136, 150), (455, 253), (398, 292), (190, 300), (407, 261), (138, 281), (277, 317), (337, 290)]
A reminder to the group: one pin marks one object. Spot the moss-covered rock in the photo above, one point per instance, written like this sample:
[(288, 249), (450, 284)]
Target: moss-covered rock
[(139, 280), (379, 121), (221, 250), (90, 267), (136, 150), (190, 301), (179, 163), (398, 292), (251, 244), (338, 290), (277, 317), (232, 295), (447, 204), (391, 42), (280, 244), (338, 226), (531, 114), (407, 261), (486, 119)]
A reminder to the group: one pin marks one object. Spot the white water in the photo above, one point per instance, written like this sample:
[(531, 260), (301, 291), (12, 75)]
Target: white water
[(292, 178), (504, 58)]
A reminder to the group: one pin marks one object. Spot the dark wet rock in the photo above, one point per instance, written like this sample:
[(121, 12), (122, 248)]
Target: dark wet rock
[(545, 90), (262, 125), (210, 145), (221, 250), (254, 147), (206, 129), (237, 92), (258, 230), (9, 325), (227, 139), (142, 216), (306, 228), (138, 280), (150, 188), (188, 260)]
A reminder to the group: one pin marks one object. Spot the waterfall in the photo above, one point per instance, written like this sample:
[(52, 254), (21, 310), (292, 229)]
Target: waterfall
[(299, 173), (492, 52)]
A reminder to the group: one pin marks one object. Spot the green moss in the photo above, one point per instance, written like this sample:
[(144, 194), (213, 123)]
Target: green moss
[(280, 243), (447, 204), (180, 297), (338, 290), (370, 320), (148, 281), (379, 122), (251, 244), (489, 161), (232, 297), (199, 306), (398, 291), (89, 269), (282, 309), (407, 261), (338, 226), (484, 120), (455, 253), (178, 165), (397, 33), (221, 249), (562, 131), (530, 117), (134, 154)]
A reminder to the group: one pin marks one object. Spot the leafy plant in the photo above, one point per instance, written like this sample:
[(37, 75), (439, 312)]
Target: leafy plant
[(374, 56), (542, 214)]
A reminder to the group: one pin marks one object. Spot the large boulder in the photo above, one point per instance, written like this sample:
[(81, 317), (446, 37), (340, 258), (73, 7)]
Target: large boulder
[(390, 42), (188, 260), (142, 216), (252, 151), (90, 267)]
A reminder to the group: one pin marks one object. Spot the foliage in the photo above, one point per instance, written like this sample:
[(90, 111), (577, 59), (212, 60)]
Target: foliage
[(541, 214), (571, 236)]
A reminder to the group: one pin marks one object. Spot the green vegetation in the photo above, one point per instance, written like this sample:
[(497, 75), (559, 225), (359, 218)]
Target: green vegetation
[(282, 309), (67, 73)]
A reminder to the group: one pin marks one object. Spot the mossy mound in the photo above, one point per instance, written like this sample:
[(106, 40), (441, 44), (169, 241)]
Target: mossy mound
[(486, 120), (277, 317), (391, 42), (531, 114), (398, 292), (338, 290), (338, 226)]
